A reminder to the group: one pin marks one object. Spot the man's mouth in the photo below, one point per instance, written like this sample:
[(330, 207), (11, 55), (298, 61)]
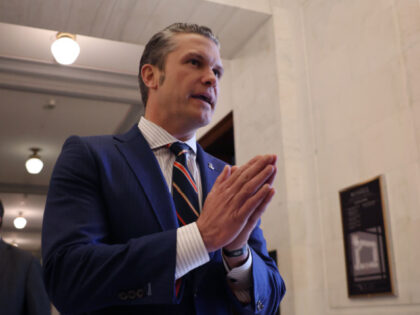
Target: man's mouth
[(204, 97)]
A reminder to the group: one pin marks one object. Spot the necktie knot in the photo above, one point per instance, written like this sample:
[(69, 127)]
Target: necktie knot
[(179, 148)]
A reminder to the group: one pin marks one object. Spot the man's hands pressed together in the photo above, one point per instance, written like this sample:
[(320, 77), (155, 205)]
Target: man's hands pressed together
[(233, 207)]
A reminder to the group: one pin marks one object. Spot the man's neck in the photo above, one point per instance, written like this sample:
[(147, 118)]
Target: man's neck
[(173, 130)]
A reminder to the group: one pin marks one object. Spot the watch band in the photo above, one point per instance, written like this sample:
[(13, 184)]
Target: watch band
[(235, 253)]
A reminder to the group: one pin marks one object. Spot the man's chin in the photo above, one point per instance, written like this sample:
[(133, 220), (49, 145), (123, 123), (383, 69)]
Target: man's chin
[(205, 119), (199, 122)]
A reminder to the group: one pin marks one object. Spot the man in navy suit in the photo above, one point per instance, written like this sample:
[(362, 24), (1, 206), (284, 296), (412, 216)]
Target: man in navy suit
[(111, 239), (22, 290)]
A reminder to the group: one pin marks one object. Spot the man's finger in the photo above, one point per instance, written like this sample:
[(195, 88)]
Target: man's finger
[(256, 215), (223, 175), (239, 170), (270, 180), (246, 173), (252, 186), (253, 202), (252, 222), (258, 162)]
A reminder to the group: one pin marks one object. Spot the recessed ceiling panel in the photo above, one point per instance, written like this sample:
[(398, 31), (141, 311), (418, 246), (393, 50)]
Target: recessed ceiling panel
[(134, 21), (27, 121)]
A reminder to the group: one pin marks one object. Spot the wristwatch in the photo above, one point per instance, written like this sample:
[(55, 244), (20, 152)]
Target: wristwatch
[(236, 252)]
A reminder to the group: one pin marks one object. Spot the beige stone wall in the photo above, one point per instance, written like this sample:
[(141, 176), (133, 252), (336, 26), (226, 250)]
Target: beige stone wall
[(258, 129), (361, 57), (333, 88)]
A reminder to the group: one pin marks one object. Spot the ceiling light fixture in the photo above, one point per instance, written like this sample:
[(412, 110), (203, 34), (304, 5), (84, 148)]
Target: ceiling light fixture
[(19, 222), (50, 105), (34, 163), (65, 49)]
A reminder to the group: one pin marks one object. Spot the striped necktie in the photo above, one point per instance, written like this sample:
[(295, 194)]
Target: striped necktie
[(184, 188), (184, 193)]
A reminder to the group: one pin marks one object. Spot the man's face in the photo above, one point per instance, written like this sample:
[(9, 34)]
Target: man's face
[(189, 85)]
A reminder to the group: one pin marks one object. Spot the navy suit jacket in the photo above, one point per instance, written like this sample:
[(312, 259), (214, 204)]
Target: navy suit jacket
[(109, 236), (22, 290)]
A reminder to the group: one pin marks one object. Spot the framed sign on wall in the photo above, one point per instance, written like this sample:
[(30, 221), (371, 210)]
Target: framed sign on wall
[(365, 239)]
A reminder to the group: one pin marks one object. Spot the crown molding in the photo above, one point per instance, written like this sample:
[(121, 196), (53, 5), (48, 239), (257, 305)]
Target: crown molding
[(40, 77)]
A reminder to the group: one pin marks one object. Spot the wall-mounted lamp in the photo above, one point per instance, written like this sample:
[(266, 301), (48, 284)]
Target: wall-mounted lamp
[(65, 49), (19, 222), (34, 163)]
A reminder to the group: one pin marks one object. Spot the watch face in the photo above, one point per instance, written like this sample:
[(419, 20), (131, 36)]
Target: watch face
[(236, 252)]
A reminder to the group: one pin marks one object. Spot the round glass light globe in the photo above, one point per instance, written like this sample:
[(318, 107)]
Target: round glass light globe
[(65, 50), (19, 222), (34, 165)]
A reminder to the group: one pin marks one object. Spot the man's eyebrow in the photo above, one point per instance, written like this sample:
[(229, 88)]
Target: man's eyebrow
[(195, 55), (199, 56)]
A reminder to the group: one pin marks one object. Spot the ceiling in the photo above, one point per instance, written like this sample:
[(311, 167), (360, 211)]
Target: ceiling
[(42, 103)]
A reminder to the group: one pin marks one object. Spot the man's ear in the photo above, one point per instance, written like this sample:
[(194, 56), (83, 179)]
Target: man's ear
[(150, 76)]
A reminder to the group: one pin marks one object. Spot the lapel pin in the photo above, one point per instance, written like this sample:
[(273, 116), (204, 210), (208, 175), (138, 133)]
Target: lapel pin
[(211, 166)]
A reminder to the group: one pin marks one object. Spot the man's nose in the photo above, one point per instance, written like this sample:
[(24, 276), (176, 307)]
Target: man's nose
[(209, 78)]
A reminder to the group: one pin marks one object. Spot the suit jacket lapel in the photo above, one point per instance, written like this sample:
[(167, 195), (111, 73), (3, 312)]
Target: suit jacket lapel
[(143, 163), (209, 170)]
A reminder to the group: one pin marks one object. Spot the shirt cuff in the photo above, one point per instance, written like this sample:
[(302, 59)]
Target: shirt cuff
[(241, 275), (190, 250), (239, 279)]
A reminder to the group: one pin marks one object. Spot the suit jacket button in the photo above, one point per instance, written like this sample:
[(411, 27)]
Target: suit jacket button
[(131, 294), (140, 293), (123, 296), (260, 306)]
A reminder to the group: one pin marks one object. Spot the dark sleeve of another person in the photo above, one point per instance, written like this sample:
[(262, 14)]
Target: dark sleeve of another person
[(36, 298)]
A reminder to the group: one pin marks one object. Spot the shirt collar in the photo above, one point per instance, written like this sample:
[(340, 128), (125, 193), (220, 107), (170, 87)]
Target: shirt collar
[(158, 137)]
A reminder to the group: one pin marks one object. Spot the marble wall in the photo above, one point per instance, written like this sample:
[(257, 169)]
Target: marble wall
[(361, 57), (333, 88), (258, 130)]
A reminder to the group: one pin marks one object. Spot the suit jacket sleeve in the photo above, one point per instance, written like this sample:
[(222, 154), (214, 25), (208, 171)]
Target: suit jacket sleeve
[(87, 264), (36, 299), (268, 287)]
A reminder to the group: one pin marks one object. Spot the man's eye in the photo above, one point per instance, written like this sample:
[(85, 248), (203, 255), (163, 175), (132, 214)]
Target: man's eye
[(217, 73), (194, 62)]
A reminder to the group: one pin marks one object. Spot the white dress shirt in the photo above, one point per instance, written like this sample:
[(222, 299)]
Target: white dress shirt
[(190, 249)]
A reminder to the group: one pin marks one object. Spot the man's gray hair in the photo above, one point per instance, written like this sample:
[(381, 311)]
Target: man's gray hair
[(161, 44)]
